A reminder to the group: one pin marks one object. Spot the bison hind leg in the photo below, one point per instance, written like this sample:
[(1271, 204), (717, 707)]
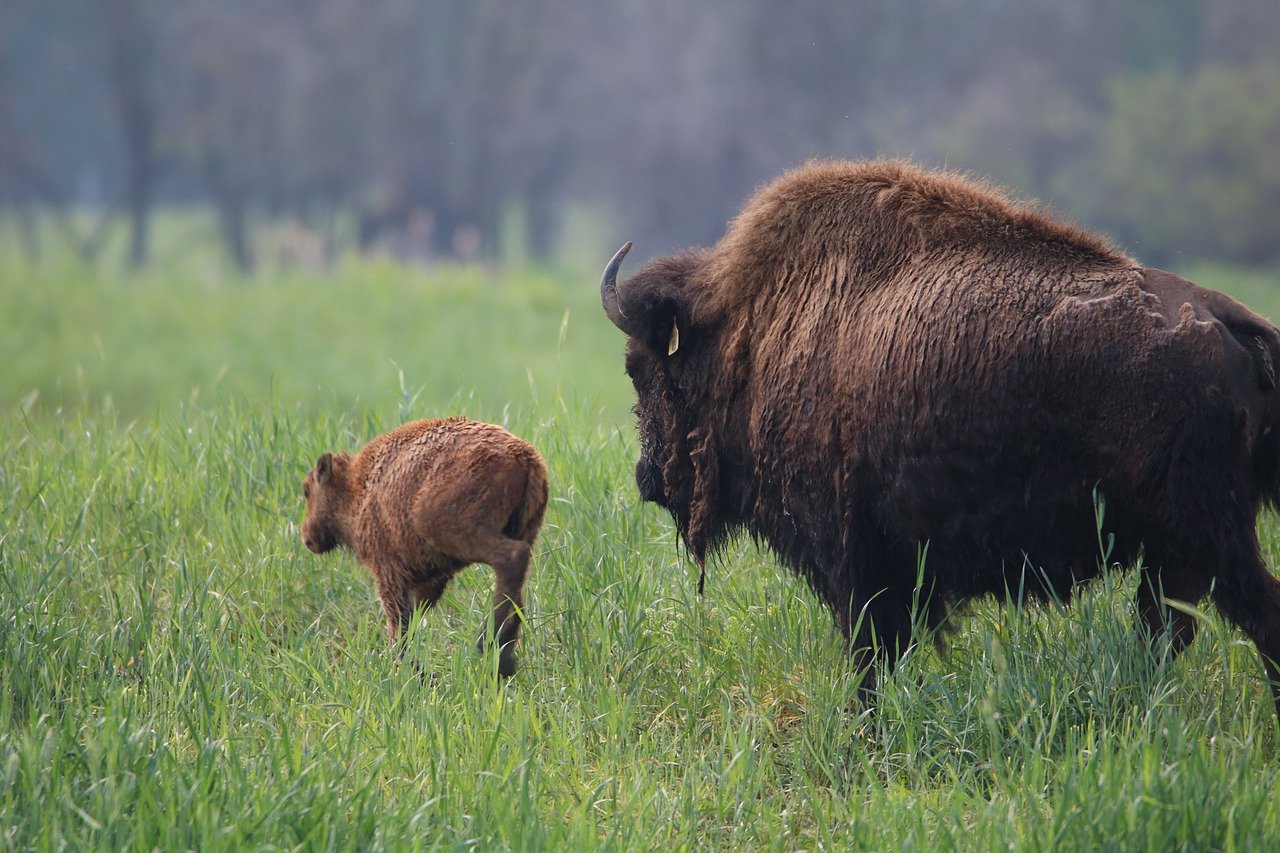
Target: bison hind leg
[(509, 559), (510, 570), (1167, 577), (1249, 595)]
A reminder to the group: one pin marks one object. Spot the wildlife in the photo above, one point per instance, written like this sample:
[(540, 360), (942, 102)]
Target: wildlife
[(422, 502), (914, 389)]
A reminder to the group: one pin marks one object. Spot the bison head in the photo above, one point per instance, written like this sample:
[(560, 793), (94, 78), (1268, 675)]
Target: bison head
[(325, 490), (670, 359)]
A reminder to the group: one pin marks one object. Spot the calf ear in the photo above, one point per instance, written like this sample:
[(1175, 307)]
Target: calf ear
[(324, 468)]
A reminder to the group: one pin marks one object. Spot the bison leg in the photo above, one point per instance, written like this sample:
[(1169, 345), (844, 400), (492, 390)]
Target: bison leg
[(396, 602), (510, 561), (1250, 596), (878, 634), (427, 593), (510, 568), (1166, 579)]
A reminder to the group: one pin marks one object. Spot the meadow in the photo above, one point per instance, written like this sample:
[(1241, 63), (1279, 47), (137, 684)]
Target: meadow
[(179, 672)]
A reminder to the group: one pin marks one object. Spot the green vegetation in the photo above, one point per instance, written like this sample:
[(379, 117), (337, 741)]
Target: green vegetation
[(190, 328), (1217, 131), (178, 672)]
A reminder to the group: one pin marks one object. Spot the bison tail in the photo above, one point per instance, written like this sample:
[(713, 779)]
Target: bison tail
[(526, 521), (1266, 460), (1266, 456)]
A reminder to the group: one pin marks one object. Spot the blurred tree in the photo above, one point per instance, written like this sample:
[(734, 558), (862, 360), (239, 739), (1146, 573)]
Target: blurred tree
[(1021, 130), (1240, 32), (1190, 164), (231, 103), (432, 127), (48, 87), (16, 192), (129, 32)]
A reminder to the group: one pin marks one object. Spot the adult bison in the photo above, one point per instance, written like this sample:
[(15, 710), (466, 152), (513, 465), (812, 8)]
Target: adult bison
[(876, 357)]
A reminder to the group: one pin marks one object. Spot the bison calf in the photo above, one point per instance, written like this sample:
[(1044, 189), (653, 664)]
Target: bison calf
[(424, 501)]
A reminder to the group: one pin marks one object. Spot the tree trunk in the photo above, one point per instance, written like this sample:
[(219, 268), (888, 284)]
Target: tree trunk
[(231, 214), (28, 230), (132, 61)]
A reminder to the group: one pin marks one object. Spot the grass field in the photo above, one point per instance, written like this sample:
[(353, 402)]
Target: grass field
[(179, 672)]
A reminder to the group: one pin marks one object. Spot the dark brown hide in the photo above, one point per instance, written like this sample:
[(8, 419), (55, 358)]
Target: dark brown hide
[(420, 503), (877, 357)]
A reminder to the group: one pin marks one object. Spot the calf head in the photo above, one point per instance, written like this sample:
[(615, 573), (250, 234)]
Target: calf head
[(325, 489)]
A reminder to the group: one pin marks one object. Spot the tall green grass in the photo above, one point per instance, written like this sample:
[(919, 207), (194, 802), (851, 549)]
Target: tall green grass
[(352, 337), (179, 672)]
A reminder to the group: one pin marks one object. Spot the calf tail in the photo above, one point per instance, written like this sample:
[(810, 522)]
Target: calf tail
[(526, 521)]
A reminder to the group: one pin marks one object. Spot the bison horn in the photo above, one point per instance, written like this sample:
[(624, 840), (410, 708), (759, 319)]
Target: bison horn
[(609, 289)]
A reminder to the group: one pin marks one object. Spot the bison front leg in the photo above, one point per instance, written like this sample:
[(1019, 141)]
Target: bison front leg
[(878, 634), (426, 593)]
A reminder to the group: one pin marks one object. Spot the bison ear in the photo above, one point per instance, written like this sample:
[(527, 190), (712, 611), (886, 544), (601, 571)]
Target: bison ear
[(673, 344), (324, 468)]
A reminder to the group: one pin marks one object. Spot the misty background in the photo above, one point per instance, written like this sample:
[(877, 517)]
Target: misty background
[(535, 130)]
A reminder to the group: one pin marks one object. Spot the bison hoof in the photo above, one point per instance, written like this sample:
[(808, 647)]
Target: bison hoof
[(507, 660)]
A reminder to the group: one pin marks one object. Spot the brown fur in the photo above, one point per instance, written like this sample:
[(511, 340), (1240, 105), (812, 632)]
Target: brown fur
[(422, 502), (876, 358)]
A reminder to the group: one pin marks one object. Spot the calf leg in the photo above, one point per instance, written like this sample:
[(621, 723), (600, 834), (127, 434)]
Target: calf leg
[(509, 572), (1250, 596), (510, 561), (426, 593), (397, 603)]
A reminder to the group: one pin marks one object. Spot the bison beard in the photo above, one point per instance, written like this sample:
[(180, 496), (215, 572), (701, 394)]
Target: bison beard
[(876, 358)]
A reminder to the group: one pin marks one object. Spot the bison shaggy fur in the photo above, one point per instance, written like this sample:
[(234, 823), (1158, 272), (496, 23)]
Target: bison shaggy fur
[(422, 502), (876, 358)]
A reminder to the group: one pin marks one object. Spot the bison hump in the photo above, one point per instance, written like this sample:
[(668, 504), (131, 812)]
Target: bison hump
[(869, 221)]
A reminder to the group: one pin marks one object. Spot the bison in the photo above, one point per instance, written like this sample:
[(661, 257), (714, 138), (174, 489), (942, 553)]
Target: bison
[(878, 362), (424, 501)]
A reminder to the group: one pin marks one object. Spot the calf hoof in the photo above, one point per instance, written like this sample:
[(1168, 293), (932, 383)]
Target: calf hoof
[(425, 678), (507, 662)]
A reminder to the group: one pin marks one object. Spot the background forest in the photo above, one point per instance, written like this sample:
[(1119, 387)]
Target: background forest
[(514, 129)]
